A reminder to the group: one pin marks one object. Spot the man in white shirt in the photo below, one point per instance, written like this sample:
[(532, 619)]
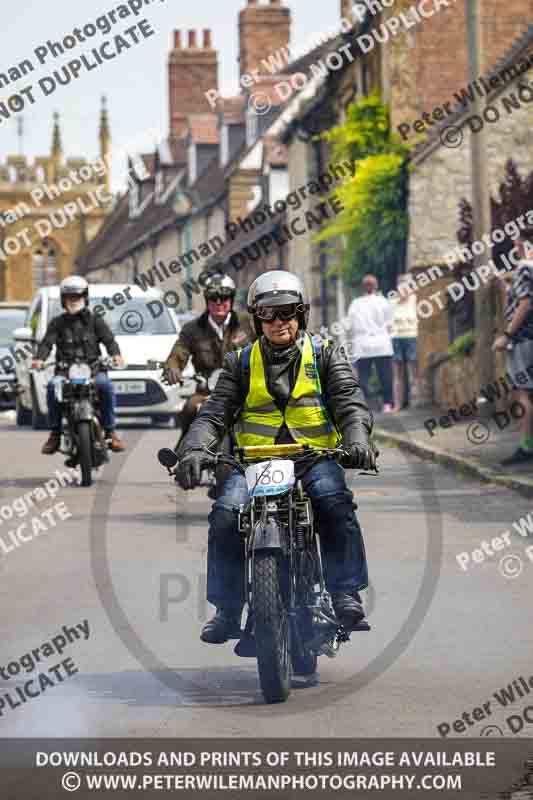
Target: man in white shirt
[(369, 324)]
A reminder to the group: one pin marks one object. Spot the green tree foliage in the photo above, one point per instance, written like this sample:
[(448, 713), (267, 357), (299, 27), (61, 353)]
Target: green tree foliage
[(374, 218)]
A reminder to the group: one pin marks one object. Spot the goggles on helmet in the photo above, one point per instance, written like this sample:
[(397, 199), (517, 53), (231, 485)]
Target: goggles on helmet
[(270, 313), (220, 294)]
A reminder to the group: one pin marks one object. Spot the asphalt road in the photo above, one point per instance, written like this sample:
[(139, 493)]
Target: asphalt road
[(129, 563)]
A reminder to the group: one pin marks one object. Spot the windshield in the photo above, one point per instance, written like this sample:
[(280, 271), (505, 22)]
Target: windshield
[(10, 318), (138, 315)]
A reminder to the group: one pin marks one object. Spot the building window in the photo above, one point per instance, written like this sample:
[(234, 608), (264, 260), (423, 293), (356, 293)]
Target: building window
[(45, 265)]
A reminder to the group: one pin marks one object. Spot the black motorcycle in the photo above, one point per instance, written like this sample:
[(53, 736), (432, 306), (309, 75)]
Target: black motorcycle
[(83, 437), (291, 620)]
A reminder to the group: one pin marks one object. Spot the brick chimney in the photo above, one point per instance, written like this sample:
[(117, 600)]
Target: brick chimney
[(263, 29), (346, 10), (192, 71)]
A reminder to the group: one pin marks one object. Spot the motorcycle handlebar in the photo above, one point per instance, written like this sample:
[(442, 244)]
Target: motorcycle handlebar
[(297, 452)]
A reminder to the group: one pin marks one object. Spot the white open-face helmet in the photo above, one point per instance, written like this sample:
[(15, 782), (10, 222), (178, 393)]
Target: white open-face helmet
[(74, 286), (219, 287), (278, 288)]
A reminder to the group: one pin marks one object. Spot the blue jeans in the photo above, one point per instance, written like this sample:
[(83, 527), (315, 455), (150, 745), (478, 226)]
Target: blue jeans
[(342, 545), (106, 396), (384, 370)]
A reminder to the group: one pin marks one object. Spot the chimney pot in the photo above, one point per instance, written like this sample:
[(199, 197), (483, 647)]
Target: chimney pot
[(207, 39), (192, 39), (177, 40)]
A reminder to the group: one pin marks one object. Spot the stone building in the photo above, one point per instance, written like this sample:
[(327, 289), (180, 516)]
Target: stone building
[(49, 210), (441, 177)]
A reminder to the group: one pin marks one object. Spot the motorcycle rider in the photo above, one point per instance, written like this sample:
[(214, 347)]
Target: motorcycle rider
[(280, 390), (207, 340), (77, 333)]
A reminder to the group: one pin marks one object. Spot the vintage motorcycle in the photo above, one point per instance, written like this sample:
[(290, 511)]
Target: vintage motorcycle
[(291, 620), (83, 438)]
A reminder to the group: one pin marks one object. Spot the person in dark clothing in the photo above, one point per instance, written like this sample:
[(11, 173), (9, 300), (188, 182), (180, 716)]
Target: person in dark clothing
[(77, 334), (207, 340), (283, 389)]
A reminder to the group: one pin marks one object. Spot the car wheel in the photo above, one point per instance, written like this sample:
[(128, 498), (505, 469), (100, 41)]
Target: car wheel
[(23, 414), (39, 421)]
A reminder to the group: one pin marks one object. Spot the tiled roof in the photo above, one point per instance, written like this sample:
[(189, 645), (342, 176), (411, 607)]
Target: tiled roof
[(120, 236), (242, 240)]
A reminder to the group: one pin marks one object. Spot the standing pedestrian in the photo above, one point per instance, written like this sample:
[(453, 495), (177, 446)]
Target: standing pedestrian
[(369, 324), (404, 333), (517, 340)]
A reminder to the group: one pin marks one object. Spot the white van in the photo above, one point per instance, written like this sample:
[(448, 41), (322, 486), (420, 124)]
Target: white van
[(145, 330)]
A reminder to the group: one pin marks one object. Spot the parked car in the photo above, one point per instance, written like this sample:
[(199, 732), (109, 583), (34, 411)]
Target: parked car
[(12, 316), (145, 329)]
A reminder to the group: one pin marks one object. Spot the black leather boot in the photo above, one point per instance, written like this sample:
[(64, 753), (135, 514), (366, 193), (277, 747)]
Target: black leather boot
[(223, 626), (348, 608)]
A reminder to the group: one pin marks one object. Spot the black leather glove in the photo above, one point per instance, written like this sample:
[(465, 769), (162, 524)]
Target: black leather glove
[(189, 472), (172, 375), (361, 457)]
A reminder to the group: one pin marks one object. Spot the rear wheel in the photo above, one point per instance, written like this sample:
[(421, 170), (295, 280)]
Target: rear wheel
[(85, 453), (271, 628)]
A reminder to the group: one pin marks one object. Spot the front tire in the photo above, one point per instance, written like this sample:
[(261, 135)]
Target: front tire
[(271, 628), (85, 453)]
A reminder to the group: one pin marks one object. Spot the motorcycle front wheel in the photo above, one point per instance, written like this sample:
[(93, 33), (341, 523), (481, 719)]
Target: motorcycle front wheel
[(85, 455), (271, 628)]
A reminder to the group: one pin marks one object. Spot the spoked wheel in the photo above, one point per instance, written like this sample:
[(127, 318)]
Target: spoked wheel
[(85, 453), (271, 628)]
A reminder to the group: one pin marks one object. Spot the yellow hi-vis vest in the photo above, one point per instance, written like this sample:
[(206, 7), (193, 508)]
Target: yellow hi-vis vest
[(260, 420)]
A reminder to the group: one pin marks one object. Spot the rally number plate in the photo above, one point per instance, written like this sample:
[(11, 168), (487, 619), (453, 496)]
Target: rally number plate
[(270, 477)]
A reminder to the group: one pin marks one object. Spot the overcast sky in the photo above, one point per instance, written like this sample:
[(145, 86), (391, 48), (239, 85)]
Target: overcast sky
[(135, 82)]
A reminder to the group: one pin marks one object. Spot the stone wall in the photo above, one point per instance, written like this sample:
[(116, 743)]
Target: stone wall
[(441, 176)]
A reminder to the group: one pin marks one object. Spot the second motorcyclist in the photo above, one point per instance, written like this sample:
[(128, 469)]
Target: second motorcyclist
[(207, 340)]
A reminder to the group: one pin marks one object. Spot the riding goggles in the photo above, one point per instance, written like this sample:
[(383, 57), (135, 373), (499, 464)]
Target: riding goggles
[(270, 313), (219, 295)]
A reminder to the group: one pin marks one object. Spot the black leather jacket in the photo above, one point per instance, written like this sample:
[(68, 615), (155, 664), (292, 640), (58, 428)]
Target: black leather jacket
[(77, 336), (343, 398)]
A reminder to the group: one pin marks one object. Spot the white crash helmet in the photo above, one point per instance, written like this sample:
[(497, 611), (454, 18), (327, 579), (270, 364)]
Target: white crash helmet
[(278, 288), (74, 286), (219, 285)]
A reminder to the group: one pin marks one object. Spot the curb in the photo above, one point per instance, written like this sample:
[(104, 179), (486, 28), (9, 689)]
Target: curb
[(454, 462)]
